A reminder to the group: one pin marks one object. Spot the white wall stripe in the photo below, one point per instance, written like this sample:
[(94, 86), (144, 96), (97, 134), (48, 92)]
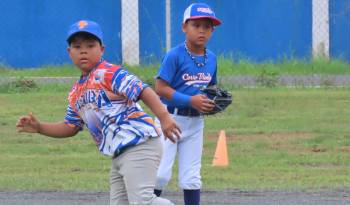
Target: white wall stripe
[(130, 32), (167, 25), (320, 28)]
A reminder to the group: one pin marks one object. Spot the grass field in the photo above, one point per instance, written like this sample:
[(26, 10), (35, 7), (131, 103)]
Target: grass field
[(278, 138), (226, 67)]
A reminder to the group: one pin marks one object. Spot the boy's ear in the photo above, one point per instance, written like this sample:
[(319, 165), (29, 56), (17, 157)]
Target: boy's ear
[(69, 52), (103, 48), (184, 27)]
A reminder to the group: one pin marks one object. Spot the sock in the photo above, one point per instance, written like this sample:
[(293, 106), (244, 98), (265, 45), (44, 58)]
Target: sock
[(192, 197), (157, 192)]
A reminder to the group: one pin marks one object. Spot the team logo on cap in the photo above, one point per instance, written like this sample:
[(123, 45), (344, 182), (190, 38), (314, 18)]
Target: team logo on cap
[(82, 24), (205, 10)]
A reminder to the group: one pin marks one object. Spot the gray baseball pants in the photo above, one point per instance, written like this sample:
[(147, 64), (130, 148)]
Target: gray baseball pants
[(133, 175)]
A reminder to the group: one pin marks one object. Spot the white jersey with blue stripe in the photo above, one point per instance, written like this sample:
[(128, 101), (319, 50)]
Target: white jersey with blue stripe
[(106, 102)]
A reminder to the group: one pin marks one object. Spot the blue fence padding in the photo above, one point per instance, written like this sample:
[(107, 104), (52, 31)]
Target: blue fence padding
[(256, 29), (152, 30), (33, 33), (339, 12)]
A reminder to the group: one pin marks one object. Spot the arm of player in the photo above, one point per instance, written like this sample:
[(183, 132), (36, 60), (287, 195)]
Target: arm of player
[(31, 124), (199, 102), (169, 127)]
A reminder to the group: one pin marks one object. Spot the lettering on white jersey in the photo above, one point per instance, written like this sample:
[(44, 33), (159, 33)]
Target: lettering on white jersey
[(96, 97)]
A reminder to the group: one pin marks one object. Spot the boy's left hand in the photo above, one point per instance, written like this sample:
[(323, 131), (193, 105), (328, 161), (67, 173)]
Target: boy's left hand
[(170, 129)]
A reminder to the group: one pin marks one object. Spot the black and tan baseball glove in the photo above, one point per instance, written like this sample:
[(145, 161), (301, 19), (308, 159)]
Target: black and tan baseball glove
[(222, 99)]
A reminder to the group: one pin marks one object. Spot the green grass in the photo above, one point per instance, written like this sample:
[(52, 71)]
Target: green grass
[(267, 72), (278, 138), (49, 71), (285, 67), (226, 66)]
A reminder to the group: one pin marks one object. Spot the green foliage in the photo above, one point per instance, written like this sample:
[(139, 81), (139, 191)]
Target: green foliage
[(47, 71), (23, 85), (226, 67), (19, 86), (267, 79)]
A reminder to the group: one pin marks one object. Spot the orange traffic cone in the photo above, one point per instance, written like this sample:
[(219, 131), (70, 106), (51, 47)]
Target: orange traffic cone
[(221, 157)]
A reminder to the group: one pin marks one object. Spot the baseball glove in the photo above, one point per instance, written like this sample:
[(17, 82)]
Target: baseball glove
[(222, 99)]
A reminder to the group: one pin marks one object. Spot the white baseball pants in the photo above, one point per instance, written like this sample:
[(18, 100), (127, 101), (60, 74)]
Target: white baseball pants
[(189, 149)]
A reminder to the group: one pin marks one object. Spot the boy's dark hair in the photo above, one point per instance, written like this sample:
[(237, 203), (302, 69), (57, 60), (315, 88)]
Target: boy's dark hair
[(211, 21), (83, 35)]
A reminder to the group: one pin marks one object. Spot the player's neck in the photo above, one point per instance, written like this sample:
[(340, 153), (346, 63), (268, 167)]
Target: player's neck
[(195, 49), (87, 71)]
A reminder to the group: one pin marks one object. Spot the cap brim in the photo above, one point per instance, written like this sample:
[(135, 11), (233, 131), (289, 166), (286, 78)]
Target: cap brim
[(216, 22), (69, 39)]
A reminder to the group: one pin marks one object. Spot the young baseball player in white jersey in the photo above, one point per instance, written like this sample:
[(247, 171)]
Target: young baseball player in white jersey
[(186, 69), (105, 100)]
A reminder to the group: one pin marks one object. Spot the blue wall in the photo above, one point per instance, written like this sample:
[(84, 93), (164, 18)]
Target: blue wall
[(33, 33), (256, 29), (339, 11), (152, 30)]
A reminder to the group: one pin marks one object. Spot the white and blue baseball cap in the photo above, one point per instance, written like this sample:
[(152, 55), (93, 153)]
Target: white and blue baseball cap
[(86, 26), (200, 11)]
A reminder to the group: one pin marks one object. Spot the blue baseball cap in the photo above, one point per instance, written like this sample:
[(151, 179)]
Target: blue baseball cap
[(86, 26), (200, 11)]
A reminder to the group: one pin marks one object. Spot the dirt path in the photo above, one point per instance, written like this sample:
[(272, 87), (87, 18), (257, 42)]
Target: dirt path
[(234, 197)]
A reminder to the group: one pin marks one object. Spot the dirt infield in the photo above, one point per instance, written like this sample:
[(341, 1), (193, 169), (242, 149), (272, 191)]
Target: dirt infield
[(228, 197)]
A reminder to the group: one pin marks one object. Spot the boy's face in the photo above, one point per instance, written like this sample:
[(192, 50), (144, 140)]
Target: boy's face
[(198, 31), (85, 52)]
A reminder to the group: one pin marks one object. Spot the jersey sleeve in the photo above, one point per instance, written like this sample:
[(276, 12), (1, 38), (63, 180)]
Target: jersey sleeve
[(121, 82), (167, 68), (213, 80), (73, 119)]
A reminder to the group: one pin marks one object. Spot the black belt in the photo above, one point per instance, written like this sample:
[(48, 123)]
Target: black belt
[(183, 111), (121, 151)]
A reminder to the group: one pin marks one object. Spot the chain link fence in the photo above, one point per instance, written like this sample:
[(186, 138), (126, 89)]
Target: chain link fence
[(130, 32), (320, 28)]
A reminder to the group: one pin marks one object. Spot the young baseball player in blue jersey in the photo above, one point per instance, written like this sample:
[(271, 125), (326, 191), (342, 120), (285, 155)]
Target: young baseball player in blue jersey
[(104, 99), (184, 70)]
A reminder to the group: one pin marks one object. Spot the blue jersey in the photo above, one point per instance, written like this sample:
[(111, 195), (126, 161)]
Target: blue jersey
[(180, 71)]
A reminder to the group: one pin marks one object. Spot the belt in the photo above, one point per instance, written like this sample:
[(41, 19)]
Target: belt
[(183, 111), (121, 151)]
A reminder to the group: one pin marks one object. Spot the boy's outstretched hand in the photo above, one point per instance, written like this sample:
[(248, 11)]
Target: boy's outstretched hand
[(169, 127), (28, 124)]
